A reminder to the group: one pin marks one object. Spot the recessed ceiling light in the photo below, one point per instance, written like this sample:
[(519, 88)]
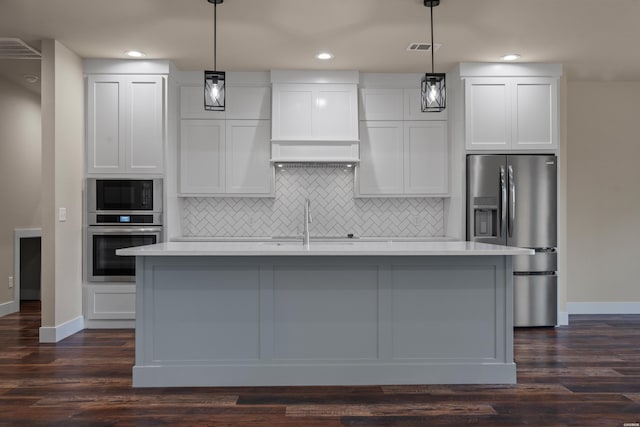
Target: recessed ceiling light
[(510, 57), (135, 54), (324, 56)]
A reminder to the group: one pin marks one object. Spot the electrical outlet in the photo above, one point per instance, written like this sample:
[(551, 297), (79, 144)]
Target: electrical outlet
[(416, 220), (10, 282)]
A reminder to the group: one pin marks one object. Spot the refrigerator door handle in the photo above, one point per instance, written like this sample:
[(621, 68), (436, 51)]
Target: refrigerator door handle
[(503, 201), (512, 195)]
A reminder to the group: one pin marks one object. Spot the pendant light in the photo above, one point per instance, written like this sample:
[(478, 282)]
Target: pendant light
[(214, 81), (434, 97)]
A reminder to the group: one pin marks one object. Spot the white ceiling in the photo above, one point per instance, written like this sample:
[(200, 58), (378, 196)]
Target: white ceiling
[(594, 39)]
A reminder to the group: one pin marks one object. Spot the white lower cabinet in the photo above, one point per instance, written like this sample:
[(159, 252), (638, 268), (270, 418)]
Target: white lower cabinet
[(399, 158), (226, 157), (110, 302)]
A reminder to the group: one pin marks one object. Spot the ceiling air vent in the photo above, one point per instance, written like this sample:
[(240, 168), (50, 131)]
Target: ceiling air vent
[(12, 48), (422, 47)]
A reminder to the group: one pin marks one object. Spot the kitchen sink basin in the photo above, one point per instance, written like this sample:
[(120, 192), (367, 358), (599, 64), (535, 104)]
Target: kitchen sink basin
[(312, 243)]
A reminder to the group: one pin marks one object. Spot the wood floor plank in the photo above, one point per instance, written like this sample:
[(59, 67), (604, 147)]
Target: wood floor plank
[(587, 374), (388, 410)]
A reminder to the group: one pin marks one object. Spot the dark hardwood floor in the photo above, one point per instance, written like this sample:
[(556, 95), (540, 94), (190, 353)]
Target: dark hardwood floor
[(587, 374)]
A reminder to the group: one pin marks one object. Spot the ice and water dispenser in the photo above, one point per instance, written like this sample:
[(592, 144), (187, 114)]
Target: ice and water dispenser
[(485, 217)]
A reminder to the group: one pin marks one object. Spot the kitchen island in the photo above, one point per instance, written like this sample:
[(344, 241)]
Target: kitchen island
[(335, 313)]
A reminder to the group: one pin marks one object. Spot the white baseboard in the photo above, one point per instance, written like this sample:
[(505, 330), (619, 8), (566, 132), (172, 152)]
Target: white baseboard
[(109, 324), (53, 334), (9, 308), (603, 307)]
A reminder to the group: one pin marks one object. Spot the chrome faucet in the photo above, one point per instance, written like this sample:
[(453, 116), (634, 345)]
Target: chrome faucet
[(307, 221)]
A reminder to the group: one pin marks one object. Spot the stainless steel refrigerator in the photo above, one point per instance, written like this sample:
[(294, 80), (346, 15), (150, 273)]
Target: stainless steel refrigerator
[(512, 200)]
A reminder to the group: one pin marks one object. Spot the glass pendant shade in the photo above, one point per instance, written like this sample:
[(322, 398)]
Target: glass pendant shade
[(214, 90), (434, 93)]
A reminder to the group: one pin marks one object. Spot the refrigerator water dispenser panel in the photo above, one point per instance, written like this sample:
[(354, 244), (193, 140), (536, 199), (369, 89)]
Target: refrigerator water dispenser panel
[(485, 222)]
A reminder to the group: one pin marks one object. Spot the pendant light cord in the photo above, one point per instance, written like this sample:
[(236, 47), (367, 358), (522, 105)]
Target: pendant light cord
[(432, 46), (215, 30)]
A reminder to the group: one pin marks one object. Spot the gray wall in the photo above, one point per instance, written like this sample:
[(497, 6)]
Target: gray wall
[(20, 172), (603, 192)]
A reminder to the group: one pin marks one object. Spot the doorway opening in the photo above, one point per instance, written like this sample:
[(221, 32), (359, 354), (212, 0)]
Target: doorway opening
[(27, 267)]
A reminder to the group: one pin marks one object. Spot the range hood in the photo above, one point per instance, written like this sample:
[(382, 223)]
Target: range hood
[(314, 116)]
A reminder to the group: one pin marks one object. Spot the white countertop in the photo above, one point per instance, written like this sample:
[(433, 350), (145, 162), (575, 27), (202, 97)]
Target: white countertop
[(350, 248), (313, 239)]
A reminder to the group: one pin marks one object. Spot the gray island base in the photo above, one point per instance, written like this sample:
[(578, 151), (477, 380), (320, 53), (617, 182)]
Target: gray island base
[(252, 314)]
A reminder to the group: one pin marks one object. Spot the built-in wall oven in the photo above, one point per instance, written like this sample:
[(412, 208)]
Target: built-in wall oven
[(121, 213)]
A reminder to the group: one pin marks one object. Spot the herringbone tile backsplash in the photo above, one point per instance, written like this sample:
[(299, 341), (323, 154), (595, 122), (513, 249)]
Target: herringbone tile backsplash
[(334, 210)]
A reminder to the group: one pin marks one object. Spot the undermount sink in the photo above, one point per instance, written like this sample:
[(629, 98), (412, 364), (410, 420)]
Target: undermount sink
[(312, 243)]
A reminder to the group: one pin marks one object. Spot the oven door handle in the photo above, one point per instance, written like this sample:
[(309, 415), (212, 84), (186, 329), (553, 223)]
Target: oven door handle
[(120, 230)]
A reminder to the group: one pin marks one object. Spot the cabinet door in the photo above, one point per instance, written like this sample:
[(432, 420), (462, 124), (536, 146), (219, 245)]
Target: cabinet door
[(292, 111), (111, 302), (144, 124), (320, 112), (105, 127), (202, 156), (248, 102), (426, 158), (243, 102), (487, 113), (335, 112), (413, 106), (381, 159), (381, 104), (247, 157), (192, 104), (535, 106)]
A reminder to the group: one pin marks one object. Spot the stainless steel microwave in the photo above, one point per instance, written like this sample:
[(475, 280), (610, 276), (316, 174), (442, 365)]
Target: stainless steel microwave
[(124, 196)]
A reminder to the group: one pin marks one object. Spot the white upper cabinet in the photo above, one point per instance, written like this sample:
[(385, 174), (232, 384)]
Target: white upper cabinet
[(247, 157), (225, 158), (314, 112), (381, 104), (488, 113), (511, 113), (380, 171), (202, 156), (403, 158), (125, 124), (535, 111), (395, 104), (426, 157), (413, 106), (242, 102), (226, 153)]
